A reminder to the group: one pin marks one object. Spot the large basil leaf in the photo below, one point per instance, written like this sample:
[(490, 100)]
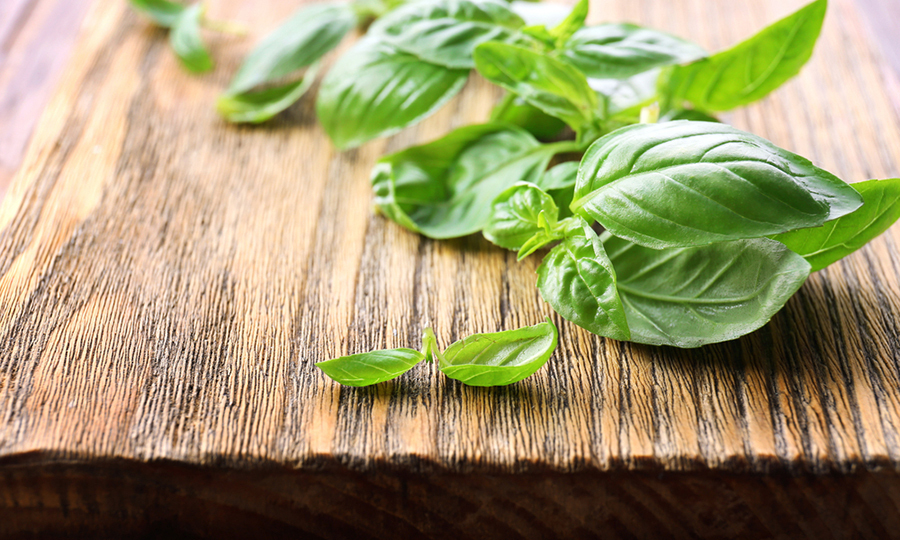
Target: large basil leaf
[(836, 239), (163, 12), (186, 42), (445, 32), (444, 189), (750, 70), (691, 183), (376, 89), (262, 105), (556, 88), (618, 51), (577, 279), (500, 358), (369, 368), (298, 42), (688, 297), (518, 214)]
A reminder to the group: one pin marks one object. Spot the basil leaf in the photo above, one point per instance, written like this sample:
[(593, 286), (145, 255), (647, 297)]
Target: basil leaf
[(518, 112), (572, 23), (550, 85), (518, 214), (262, 105), (162, 12), (500, 358), (445, 32), (618, 51), (559, 183), (186, 42), (626, 97), (688, 297), (539, 13), (376, 90), (836, 239), (750, 70), (577, 279), (301, 40), (692, 183), (444, 189), (369, 368)]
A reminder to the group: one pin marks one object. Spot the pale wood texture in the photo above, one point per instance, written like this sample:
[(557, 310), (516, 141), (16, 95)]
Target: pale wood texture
[(167, 282)]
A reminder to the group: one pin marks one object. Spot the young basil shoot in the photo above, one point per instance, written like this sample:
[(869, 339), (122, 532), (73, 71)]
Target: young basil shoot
[(497, 359)]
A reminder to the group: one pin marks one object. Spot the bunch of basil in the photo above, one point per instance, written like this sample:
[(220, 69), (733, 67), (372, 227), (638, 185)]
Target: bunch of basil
[(705, 231)]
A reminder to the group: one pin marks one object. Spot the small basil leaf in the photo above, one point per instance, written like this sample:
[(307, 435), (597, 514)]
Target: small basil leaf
[(688, 114), (515, 215), (618, 51), (369, 368), (430, 347), (626, 97), (750, 70), (559, 183), (375, 90), (518, 112), (186, 42), (836, 239), (539, 13), (688, 297), (301, 40), (162, 12), (259, 106), (444, 189), (550, 85), (572, 23), (445, 32), (692, 183), (577, 279), (500, 358)]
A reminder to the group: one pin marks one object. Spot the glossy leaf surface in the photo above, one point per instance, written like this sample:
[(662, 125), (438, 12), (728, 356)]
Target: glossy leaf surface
[(577, 279), (753, 68), (376, 90), (688, 297), (518, 214), (369, 368), (444, 189), (691, 183), (500, 358), (619, 51), (831, 242)]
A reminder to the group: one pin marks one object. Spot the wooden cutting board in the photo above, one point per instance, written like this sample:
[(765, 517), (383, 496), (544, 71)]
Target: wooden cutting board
[(167, 282)]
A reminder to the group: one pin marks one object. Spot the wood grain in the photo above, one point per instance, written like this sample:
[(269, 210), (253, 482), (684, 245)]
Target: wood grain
[(167, 282)]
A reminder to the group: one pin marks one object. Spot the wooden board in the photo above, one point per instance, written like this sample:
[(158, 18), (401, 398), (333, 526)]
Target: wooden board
[(167, 282)]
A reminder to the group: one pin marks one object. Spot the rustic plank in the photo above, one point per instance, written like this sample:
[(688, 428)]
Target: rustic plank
[(167, 282)]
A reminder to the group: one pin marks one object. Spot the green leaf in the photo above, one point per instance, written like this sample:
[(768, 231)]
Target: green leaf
[(572, 23), (262, 105), (688, 297), (372, 367), (626, 97), (750, 70), (619, 51), (836, 239), (301, 40), (444, 189), (162, 12), (518, 214), (577, 279), (688, 114), (186, 42), (375, 90), (445, 32), (550, 85), (517, 111), (559, 183), (692, 183), (500, 358)]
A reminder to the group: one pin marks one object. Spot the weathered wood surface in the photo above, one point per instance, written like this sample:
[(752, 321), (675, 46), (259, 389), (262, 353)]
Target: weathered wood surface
[(167, 282)]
